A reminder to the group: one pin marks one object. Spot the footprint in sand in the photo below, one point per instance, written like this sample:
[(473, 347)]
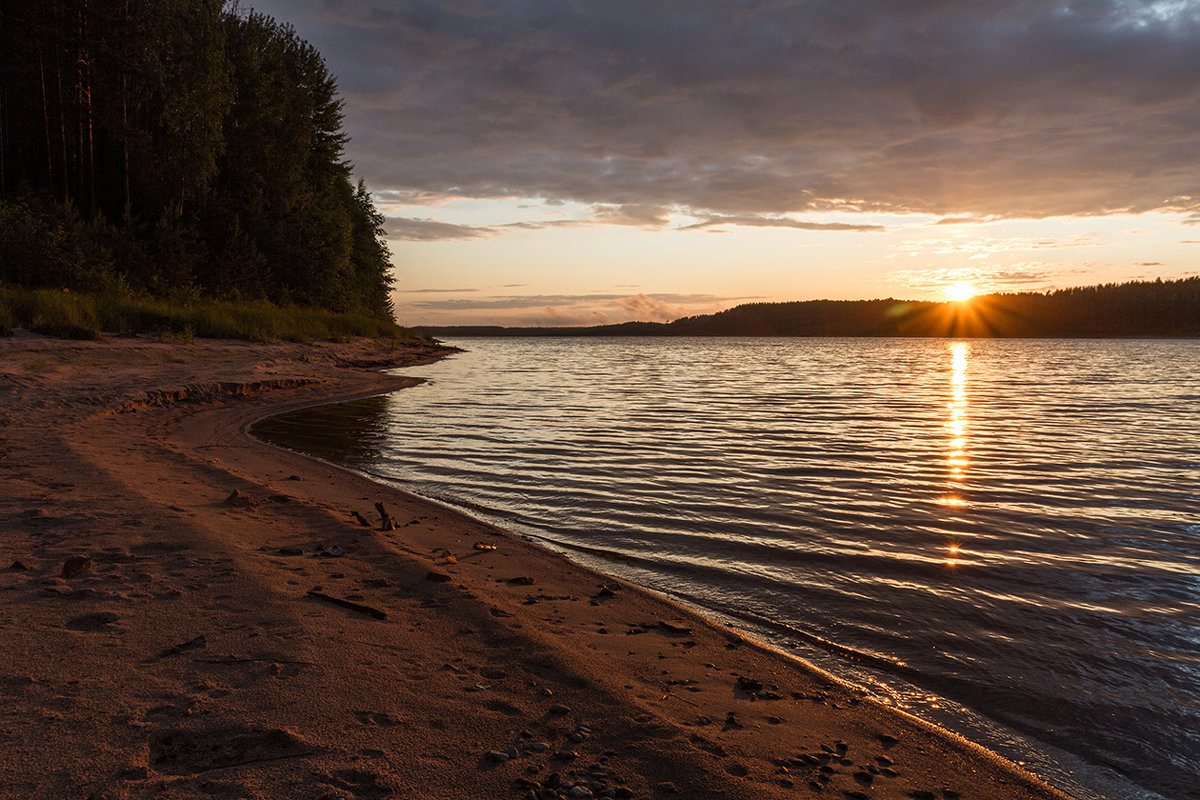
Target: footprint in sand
[(188, 752), (359, 783), (380, 718)]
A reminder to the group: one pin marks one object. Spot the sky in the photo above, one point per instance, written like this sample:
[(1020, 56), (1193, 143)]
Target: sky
[(577, 162)]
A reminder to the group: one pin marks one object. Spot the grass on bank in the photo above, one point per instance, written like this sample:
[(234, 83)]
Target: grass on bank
[(72, 315)]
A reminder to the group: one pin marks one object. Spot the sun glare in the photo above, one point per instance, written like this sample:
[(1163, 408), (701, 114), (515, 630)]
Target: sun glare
[(960, 292)]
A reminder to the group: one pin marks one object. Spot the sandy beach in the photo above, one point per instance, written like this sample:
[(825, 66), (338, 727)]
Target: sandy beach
[(192, 613)]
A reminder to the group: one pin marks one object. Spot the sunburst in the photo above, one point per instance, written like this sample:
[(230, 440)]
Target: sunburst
[(959, 292)]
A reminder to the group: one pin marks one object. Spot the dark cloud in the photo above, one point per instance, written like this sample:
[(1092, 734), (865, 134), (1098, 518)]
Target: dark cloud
[(959, 108)]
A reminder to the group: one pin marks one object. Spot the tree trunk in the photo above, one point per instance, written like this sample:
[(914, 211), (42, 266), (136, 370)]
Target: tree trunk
[(83, 86), (46, 120)]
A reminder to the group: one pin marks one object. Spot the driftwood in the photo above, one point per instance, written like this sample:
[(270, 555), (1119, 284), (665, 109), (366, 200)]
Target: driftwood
[(386, 523), (370, 611)]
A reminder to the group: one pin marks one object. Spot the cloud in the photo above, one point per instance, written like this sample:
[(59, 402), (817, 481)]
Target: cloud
[(648, 309), (595, 308), (968, 220), (430, 230), (981, 246), (1018, 277), (749, 220), (509, 302), (427, 230), (961, 109)]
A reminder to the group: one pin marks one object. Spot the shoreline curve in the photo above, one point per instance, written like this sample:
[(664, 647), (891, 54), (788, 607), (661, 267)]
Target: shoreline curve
[(193, 656)]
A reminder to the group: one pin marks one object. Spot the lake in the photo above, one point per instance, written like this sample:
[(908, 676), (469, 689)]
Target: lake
[(1000, 536)]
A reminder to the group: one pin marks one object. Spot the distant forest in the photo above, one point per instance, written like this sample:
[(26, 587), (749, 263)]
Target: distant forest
[(180, 149), (1140, 308)]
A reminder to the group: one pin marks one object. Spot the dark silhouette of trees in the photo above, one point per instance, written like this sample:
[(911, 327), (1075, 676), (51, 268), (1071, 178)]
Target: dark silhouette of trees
[(179, 146), (1140, 308)]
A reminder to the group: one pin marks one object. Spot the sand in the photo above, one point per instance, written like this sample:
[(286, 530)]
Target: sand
[(267, 645)]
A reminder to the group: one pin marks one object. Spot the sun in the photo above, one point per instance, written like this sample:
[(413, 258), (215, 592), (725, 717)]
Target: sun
[(959, 292)]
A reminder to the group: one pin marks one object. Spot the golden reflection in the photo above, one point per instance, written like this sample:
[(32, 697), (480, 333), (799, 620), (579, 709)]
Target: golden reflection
[(952, 551), (956, 425)]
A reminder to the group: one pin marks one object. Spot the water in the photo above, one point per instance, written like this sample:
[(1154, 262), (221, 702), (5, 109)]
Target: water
[(1001, 536)]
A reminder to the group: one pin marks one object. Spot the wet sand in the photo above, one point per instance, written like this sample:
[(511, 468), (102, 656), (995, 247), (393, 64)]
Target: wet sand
[(234, 631)]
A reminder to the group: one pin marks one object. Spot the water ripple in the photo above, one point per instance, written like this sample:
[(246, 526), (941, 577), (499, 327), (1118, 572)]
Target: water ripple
[(999, 535)]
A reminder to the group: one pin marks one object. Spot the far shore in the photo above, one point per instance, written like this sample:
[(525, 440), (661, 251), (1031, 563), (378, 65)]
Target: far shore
[(188, 612)]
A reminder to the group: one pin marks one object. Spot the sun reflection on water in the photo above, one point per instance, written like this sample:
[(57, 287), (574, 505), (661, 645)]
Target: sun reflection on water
[(956, 425)]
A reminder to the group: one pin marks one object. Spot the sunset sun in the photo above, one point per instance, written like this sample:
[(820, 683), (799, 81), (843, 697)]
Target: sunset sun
[(960, 292), (714, 361)]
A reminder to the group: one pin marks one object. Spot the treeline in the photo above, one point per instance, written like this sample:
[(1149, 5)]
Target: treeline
[(179, 148), (1140, 308)]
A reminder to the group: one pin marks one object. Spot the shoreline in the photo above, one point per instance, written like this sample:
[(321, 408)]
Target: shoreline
[(193, 658)]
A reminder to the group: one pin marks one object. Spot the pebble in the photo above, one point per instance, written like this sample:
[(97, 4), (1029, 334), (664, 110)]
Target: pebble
[(76, 565), (539, 747), (498, 756), (749, 685), (238, 500), (19, 565), (559, 708), (581, 791)]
